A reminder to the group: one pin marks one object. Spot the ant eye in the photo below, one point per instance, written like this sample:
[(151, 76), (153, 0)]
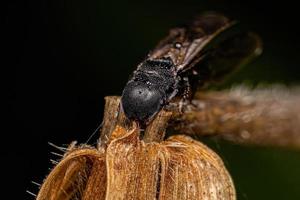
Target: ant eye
[(177, 45)]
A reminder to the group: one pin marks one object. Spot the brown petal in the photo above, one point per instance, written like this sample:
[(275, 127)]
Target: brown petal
[(190, 170), (70, 178)]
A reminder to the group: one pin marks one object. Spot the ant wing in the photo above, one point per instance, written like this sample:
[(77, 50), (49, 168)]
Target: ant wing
[(184, 45), (226, 57)]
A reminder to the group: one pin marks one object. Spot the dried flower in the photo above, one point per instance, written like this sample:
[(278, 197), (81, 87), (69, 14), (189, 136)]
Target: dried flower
[(129, 168)]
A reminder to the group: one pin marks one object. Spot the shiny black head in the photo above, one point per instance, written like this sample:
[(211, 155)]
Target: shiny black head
[(141, 102), (149, 89)]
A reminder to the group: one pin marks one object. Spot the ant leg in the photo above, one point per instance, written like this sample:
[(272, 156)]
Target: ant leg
[(187, 94)]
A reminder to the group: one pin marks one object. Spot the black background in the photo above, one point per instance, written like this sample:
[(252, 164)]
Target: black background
[(63, 57)]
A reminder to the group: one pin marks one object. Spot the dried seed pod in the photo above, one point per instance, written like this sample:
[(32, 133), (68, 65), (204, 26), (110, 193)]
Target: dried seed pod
[(129, 168)]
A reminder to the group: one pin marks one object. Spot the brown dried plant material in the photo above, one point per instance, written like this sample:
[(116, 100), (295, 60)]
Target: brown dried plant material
[(177, 168), (129, 168), (70, 178)]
